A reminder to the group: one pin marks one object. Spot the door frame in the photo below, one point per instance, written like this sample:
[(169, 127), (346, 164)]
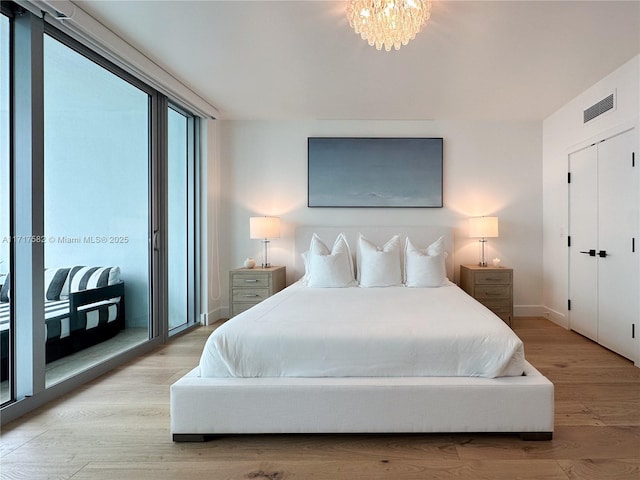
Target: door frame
[(619, 129)]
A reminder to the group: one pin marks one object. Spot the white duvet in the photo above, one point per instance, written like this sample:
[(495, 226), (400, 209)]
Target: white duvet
[(364, 332)]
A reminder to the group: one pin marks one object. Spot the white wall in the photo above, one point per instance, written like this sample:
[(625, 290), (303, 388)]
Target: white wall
[(564, 132), (214, 240), (490, 168)]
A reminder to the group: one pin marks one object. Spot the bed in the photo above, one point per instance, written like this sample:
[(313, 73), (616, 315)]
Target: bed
[(373, 356)]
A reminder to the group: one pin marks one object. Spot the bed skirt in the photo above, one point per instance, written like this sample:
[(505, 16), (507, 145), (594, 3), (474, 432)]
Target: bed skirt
[(203, 407)]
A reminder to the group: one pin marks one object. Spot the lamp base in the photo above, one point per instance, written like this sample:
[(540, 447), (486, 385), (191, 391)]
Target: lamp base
[(482, 262), (265, 261)]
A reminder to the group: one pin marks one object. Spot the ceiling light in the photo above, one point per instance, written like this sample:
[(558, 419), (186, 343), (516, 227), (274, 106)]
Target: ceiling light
[(388, 22)]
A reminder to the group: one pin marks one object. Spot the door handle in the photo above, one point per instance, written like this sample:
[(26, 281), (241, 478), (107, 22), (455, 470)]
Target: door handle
[(603, 253), (154, 241), (591, 253)]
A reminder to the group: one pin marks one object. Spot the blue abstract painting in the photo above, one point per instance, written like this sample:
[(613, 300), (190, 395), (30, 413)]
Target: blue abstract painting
[(375, 172)]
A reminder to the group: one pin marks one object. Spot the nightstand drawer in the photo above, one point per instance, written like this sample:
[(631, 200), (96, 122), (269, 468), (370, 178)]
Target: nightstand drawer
[(250, 294), (493, 291), (248, 287), (251, 280), (497, 306), (493, 278), (493, 287), (242, 307)]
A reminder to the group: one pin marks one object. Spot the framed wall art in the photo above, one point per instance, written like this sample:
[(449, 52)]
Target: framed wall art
[(375, 172)]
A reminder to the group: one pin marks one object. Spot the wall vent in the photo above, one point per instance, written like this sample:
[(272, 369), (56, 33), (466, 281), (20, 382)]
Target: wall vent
[(599, 108)]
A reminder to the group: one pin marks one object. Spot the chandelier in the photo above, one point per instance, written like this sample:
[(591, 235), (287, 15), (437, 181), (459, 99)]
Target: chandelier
[(388, 22)]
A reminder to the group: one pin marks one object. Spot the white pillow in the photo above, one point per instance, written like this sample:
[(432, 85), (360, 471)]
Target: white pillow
[(379, 267), (436, 247), (425, 268), (329, 268)]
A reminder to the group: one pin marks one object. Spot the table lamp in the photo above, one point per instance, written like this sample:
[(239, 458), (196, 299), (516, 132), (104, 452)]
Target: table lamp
[(483, 228), (264, 228)]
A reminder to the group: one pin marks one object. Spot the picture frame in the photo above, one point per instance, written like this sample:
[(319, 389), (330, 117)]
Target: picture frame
[(369, 172)]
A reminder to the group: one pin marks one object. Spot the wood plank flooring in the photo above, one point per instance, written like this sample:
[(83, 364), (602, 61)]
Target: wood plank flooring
[(117, 427)]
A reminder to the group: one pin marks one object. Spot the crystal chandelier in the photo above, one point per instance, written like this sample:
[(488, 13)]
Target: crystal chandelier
[(388, 22)]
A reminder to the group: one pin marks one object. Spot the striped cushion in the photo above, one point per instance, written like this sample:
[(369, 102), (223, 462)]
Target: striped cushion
[(6, 287), (98, 313), (55, 313), (57, 316), (54, 279), (5, 316), (86, 278)]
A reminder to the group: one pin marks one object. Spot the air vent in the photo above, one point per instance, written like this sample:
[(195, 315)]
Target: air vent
[(599, 108)]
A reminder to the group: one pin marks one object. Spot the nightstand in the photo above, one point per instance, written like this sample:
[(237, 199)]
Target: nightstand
[(491, 286), (249, 286)]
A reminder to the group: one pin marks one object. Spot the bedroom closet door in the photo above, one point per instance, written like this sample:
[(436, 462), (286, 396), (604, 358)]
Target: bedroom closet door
[(583, 276), (604, 266), (618, 309)]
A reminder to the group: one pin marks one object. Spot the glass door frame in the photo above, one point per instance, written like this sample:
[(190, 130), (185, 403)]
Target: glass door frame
[(11, 389), (27, 196), (27, 218), (193, 225), (155, 162)]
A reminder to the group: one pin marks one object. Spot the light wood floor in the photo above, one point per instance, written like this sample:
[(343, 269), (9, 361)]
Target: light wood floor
[(117, 427), (75, 363)]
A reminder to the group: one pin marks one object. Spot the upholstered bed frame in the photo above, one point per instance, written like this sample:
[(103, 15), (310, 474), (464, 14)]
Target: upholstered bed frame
[(205, 407)]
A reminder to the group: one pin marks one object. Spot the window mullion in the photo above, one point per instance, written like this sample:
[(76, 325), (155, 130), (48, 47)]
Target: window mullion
[(28, 201)]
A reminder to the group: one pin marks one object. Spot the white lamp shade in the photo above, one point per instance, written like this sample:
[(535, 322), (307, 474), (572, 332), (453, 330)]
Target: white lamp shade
[(264, 227), (483, 227)]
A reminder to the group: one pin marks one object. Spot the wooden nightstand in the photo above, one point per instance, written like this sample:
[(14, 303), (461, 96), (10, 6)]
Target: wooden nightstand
[(249, 286), (491, 286)]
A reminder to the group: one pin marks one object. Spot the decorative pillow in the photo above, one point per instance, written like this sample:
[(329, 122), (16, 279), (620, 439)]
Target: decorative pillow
[(54, 280), (425, 268), (5, 292), (378, 267), (329, 268), (436, 247), (86, 278)]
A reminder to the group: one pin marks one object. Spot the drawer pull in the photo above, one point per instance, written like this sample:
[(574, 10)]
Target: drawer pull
[(489, 279), (253, 280), (250, 295)]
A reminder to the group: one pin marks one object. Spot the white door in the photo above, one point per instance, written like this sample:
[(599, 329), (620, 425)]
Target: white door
[(583, 228), (604, 268), (618, 232)]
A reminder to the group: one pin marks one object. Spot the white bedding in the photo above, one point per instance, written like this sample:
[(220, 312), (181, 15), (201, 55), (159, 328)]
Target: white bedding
[(364, 332)]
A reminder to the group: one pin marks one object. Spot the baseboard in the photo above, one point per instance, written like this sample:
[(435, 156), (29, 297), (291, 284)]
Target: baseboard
[(556, 317), (528, 311), (541, 311), (214, 315)]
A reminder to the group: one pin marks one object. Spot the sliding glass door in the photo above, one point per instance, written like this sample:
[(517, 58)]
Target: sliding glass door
[(98, 213), (181, 216)]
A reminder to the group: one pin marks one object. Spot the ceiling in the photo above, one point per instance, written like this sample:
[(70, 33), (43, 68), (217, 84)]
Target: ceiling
[(496, 60)]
